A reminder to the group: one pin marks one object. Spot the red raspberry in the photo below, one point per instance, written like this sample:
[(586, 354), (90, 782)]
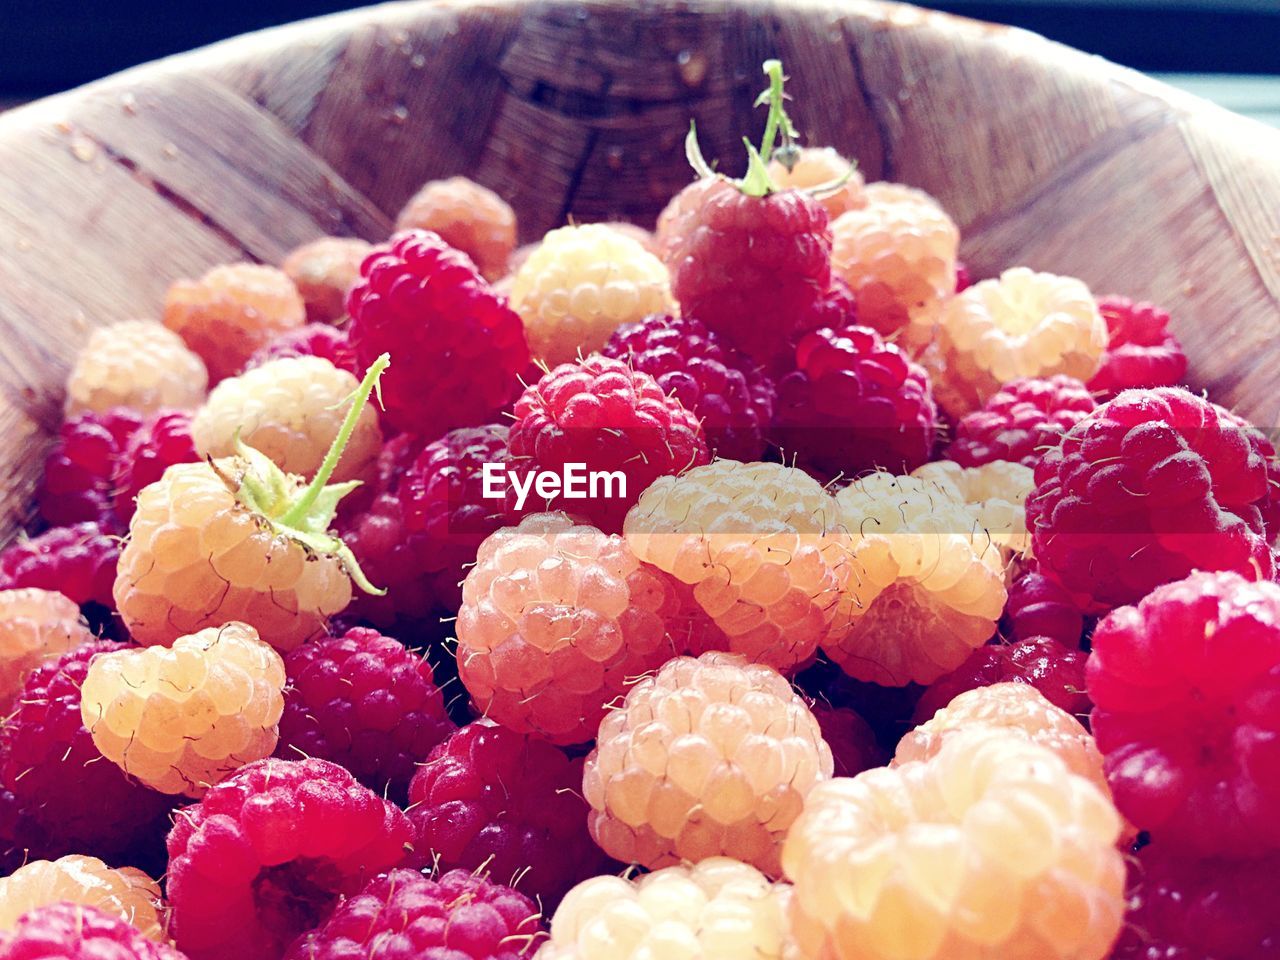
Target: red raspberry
[(1021, 421), (1147, 488), (601, 413), (364, 701), (313, 340), (425, 303), (1038, 607), (75, 931), (80, 470), (853, 743), (494, 800), (963, 278), (1141, 350), (1186, 690), (78, 801), (718, 385), (78, 561), (854, 403), (267, 853), (403, 915), (156, 445), (1057, 671)]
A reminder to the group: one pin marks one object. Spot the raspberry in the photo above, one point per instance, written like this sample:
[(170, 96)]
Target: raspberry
[(1141, 350), (637, 233), (601, 413), (78, 561), (718, 907), (59, 780), (232, 311), (854, 403), (424, 301), (898, 256), (1038, 607), (136, 364), (126, 893), (720, 387), (468, 217), (853, 743), (1147, 488), (35, 626), (180, 718), (817, 166), (555, 619), (760, 546), (1023, 324), (1020, 421), (405, 914), (312, 340), (289, 409), (963, 279), (80, 470), (364, 701), (491, 800), (324, 271), (155, 446), (1187, 713), (267, 853), (992, 848), (996, 494), (74, 931), (709, 756)]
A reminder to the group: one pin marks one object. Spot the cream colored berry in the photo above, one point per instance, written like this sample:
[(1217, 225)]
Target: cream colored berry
[(581, 284), (137, 364), (289, 409), (996, 492), (35, 626), (467, 216), (124, 892), (816, 166), (324, 271), (181, 718), (716, 909)]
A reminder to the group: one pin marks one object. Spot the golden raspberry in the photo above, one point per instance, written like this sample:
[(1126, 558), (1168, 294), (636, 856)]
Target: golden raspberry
[(992, 848), (931, 583), (816, 166), (581, 284), (898, 256), (467, 216), (125, 892), (996, 492), (136, 364), (642, 236), (181, 718), (35, 626), (323, 271), (290, 409), (1023, 324), (232, 312), (716, 909), (761, 546), (710, 756)]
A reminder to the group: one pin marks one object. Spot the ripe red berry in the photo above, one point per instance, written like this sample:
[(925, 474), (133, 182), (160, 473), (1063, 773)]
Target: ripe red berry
[(78, 561), (76, 931), (80, 470), (1021, 421), (1038, 607), (313, 340), (1141, 350), (165, 439), (853, 743)]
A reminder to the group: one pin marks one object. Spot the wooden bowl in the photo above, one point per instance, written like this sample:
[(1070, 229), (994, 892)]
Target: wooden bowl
[(1045, 156)]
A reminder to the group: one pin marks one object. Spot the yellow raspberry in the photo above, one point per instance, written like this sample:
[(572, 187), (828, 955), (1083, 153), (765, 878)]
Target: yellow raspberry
[(642, 236), (35, 626), (716, 909), (231, 312), (136, 364), (581, 284), (898, 256), (323, 271), (290, 409), (816, 166), (467, 216), (125, 892), (762, 548), (997, 494), (1022, 324), (710, 756), (931, 585), (992, 848), (181, 718)]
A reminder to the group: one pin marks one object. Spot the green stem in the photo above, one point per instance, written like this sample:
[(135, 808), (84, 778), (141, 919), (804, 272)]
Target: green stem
[(773, 70)]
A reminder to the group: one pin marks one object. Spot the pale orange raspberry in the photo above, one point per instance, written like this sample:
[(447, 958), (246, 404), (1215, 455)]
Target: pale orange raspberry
[(137, 364), (467, 216), (35, 626), (816, 166), (125, 892), (638, 233), (682, 214), (997, 494), (323, 271)]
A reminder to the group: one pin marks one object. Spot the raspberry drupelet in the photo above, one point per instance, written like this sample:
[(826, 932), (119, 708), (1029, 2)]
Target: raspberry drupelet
[(78, 561), (366, 702), (265, 855), (136, 364), (1187, 711), (324, 271), (709, 756), (75, 931), (424, 300), (821, 169), (467, 216), (489, 799), (716, 909), (124, 893), (231, 312), (555, 620), (313, 340), (1147, 488), (35, 626), (1039, 607), (1141, 349), (155, 446), (80, 469), (992, 848), (1021, 421)]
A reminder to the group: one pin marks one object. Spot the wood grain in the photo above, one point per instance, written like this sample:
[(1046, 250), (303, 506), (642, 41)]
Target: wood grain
[(577, 109)]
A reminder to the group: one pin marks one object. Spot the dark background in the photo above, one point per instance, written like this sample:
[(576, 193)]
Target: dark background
[(49, 45)]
